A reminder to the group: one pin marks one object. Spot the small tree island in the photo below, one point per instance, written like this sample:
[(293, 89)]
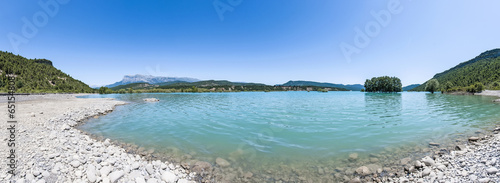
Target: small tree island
[(384, 84)]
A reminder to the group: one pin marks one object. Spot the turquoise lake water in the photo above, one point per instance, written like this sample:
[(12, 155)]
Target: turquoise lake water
[(256, 131)]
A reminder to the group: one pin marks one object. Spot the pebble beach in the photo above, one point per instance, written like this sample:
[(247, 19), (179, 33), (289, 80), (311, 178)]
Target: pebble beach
[(49, 148)]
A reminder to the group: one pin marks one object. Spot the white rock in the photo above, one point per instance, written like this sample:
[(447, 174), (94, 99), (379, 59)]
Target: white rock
[(428, 161), (152, 180), (169, 177), (492, 170), (105, 180), (135, 166), (484, 180), (140, 180), (150, 169), (91, 173), (115, 176), (105, 170), (426, 172), (75, 163), (65, 127), (78, 173)]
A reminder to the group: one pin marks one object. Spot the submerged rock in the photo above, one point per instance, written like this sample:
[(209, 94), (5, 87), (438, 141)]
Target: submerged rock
[(201, 166), (353, 156), (363, 171), (222, 162), (151, 99)]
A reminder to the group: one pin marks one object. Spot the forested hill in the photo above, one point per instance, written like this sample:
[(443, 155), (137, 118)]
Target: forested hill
[(484, 69), (355, 87), (37, 76)]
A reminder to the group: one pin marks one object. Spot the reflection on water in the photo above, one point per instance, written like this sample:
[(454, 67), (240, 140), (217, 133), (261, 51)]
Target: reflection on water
[(291, 136)]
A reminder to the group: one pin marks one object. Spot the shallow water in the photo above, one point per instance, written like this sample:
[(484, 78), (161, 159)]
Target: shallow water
[(292, 135)]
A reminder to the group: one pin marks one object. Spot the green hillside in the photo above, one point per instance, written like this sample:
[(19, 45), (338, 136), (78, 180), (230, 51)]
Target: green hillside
[(37, 76), (212, 86), (410, 87), (355, 87), (484, 69)]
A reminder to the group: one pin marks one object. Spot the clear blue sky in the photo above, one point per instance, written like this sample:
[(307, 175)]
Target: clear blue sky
[(98, 42)]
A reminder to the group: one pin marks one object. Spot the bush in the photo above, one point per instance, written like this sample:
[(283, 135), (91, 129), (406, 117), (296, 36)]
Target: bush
[(479, 87)]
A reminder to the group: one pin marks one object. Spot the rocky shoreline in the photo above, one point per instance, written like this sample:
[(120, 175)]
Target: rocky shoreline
[(50, 149), (476, 161)]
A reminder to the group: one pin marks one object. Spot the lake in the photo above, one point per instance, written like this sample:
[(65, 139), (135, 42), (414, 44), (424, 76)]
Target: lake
[(291, 136)]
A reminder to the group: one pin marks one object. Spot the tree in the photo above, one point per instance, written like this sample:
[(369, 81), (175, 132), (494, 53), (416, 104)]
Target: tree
[(130, 90), (479, 87), (104, 90), (432, 85), (383, 84)]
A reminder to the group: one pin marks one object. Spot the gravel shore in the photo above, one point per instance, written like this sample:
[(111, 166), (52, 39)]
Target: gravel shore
[(476, 161), (49, 149)]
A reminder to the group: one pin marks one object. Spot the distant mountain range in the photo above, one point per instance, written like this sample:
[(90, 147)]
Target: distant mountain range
[(129, 79), (484, 68), (410, 87), (146, 81), (354, 87)]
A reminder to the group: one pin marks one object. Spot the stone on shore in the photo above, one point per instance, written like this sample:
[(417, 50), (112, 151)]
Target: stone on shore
[(169, 177), (492, 170), (473, 139), (91, 173), (75, 163), (428, 161), (113, 177)]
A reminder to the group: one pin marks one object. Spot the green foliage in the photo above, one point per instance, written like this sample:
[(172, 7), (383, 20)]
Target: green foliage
[(322, 90), (446, 87), (494, 86), (483, 69), (355, 87), (105, 90), (37, 76), (432, 85), (194, 89), (383, 84), (479, 87), (130, 90)]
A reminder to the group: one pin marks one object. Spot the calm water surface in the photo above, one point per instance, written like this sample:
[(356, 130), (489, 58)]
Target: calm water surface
[(256, 131)]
